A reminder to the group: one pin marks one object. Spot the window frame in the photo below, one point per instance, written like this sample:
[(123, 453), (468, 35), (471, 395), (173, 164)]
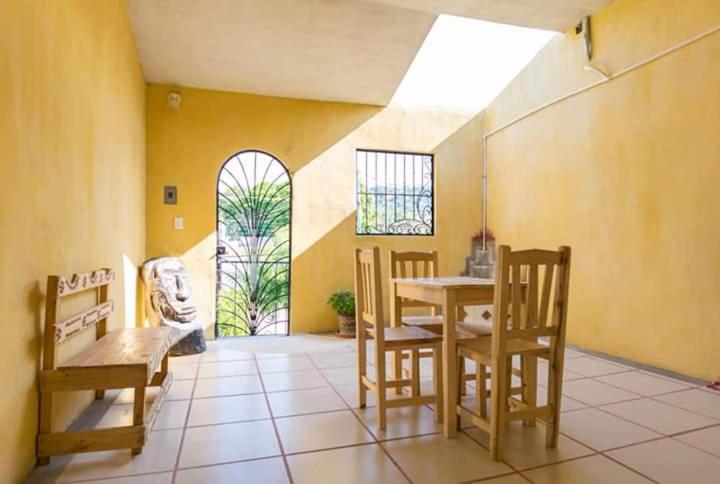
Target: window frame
[(432, 231)]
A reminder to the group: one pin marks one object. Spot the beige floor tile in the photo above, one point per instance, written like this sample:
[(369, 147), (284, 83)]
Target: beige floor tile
[(706, 439), (511, 479), (184, 360), (670, 462), (297, 402), (341, 376), (218, 444), (158, 455), (588, 366), (179, 390), (542, 373), (227, 368), (334, 359), (593, 392), (699, 401), (401, 422), (349, 393), (642, 383), (567, 404), (163, 478), (220, 352), (602, 431), (659, 416), (232, 385), (363, 464), (588, 470), (210, 411), (172, 415), (285, 363), (571, 354), (435, 459), (524, 447), (184, 372), (321, 431), (265, 471), (261, 355), (293, 380)]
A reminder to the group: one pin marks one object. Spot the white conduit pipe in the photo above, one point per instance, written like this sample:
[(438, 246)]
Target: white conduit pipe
[(610, 77)]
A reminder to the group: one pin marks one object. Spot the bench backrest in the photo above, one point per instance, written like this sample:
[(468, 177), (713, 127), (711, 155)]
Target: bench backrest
[(56, 332)]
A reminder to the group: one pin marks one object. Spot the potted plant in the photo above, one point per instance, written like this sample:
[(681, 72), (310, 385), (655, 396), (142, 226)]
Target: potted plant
[(343, 303)]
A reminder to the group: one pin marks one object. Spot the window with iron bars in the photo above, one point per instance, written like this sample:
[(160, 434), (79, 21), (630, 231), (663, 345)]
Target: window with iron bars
[(394, 193)]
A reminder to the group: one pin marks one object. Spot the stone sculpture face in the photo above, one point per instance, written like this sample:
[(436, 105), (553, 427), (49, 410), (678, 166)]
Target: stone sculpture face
[(169, 291)]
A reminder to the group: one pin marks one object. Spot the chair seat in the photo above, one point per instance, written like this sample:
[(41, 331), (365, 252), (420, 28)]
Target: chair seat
[(410, 335), (424, 320), (478, 328), (514, 346)]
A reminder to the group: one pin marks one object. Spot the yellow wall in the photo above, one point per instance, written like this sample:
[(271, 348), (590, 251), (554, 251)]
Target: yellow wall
[(627, 175), (72, 167), (317, 142)]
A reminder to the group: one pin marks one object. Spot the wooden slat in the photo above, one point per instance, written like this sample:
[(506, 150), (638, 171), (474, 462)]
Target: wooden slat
[(105, 378), (83, 281), (74, 324), (128, 347), (91, 440)]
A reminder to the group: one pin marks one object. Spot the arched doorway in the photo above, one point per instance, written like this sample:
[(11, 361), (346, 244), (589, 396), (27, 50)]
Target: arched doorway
[(254, 195)]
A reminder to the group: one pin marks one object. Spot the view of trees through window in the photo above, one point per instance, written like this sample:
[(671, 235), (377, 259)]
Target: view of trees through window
[(253, 261), (394, 193)]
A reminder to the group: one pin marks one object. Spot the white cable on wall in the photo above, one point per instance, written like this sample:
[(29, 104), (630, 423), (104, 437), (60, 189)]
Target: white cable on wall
[(564, 97)]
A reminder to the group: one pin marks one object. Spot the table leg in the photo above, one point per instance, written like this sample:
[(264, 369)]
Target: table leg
[(395, 322), (450, 364)]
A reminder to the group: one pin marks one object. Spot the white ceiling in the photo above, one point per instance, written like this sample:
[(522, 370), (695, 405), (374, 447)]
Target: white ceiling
[(332, 50), (556, 15)]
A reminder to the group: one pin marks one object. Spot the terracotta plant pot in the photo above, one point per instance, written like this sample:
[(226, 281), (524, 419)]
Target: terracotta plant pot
[(346, 326)]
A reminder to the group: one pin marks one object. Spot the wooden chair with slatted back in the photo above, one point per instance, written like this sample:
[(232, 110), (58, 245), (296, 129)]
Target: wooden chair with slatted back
[(541, 312), (370, 325)]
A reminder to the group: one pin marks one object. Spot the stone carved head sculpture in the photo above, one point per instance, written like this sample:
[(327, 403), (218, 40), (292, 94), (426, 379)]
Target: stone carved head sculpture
[(168, 297)]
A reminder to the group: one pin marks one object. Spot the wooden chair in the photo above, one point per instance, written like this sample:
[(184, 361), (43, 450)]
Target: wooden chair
[(121, 358), (541, 312), (370, 325)]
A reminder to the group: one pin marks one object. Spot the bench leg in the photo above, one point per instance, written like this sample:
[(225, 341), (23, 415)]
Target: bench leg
[(99, 394), (46, 410), (139, 412)]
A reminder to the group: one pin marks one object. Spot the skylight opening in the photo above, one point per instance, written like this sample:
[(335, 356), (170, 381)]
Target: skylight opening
[(465, 63)]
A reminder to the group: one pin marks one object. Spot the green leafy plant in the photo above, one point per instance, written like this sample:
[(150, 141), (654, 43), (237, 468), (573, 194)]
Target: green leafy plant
[(343, 302)]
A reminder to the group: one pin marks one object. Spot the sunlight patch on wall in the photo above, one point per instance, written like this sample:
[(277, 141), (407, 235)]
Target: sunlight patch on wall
[(465, 63)]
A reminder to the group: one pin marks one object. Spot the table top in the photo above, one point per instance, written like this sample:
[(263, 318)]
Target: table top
[(444, 282)]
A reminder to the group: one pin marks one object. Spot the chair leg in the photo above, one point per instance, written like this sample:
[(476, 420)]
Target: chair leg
[(481, 393), (438, 382), (138, 413), (498, 397), (415, 372), (380, 384), (397, 369), (529, 384), (463, 384), (362, 369), (552, 427)]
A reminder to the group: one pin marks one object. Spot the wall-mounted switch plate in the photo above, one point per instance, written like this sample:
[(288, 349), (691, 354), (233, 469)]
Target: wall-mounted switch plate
[(179, 223), (170, 195)]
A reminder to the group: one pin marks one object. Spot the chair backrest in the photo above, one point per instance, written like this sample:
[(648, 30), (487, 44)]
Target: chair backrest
[(415, 264), (531, 290), (57, 332), (368, 294)]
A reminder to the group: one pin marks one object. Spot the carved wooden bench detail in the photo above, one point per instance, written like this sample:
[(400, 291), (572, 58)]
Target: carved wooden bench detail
[(122, 358)]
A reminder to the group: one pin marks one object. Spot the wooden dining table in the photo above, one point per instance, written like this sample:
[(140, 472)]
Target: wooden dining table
[(452, 294)]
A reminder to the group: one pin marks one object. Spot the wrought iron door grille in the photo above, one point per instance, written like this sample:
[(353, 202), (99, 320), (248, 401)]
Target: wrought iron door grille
[(253, 250), (394, 193)]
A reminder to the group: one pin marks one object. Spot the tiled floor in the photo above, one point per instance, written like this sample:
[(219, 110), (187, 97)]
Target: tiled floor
[(284, 410)]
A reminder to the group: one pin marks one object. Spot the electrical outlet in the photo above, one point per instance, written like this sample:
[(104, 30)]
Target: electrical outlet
[(179, 223)]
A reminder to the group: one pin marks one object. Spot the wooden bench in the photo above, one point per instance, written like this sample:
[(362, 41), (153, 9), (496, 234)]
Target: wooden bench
[(122, 358)]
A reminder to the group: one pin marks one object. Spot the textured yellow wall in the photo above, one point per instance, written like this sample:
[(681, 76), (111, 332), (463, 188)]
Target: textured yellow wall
[(627, 175), (317, 142), (72, 165)]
